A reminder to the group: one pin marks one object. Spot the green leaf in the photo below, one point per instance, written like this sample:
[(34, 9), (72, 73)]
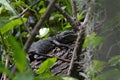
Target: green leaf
[(7, 6), (113, 74), (80, 16), (20, 3), (56, 17), (63, 7), (95, 67), (114, 61), (41, 3), (4, 20), (92, 40), (2, 9), (10, 25), (50, 78), (26, 75), (42, 10), (45, 66), (4, 70), (45, 75), (68, 5), (18, 54), (68, 26)]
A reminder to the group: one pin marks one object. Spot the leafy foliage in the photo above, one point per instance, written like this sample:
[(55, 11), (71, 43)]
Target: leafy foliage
[(105, 71), (109, 75), (4, 70), (18, 53), (44, 67), (67, 5), (80, 16), (42, 10), (12, 45), (92, 40), (44, 70), (95, 67), (20, 3), (9, 28), (115, 61), (25, 75), (7, 6), (10, 25)]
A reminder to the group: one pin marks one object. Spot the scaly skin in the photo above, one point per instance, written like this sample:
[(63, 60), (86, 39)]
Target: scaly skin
[(60, 40)]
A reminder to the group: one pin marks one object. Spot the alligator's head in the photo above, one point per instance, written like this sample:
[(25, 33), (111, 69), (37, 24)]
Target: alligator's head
[(66, 37)]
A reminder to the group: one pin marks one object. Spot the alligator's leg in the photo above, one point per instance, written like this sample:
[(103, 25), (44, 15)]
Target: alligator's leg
[(60, 44)]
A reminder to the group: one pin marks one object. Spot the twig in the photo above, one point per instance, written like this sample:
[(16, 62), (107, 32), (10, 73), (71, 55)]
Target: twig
[(65, 14), (16, 12), (38, 25), (4, 76), (78, 43), (74, 54), (27, 27), (74, 9), (6, 66), (63, 56), (87, 16), (25, 10), (69, 18), (35, 30), (62, 59)]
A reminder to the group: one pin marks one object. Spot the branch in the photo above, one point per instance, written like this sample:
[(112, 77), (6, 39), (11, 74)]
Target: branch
[(77, 48), (4, 76), (66, 15), (38, 25), (69, 18), (62, 59), (25, 10), (79, 42), (74, 9), (87, 16), (16, 12)]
